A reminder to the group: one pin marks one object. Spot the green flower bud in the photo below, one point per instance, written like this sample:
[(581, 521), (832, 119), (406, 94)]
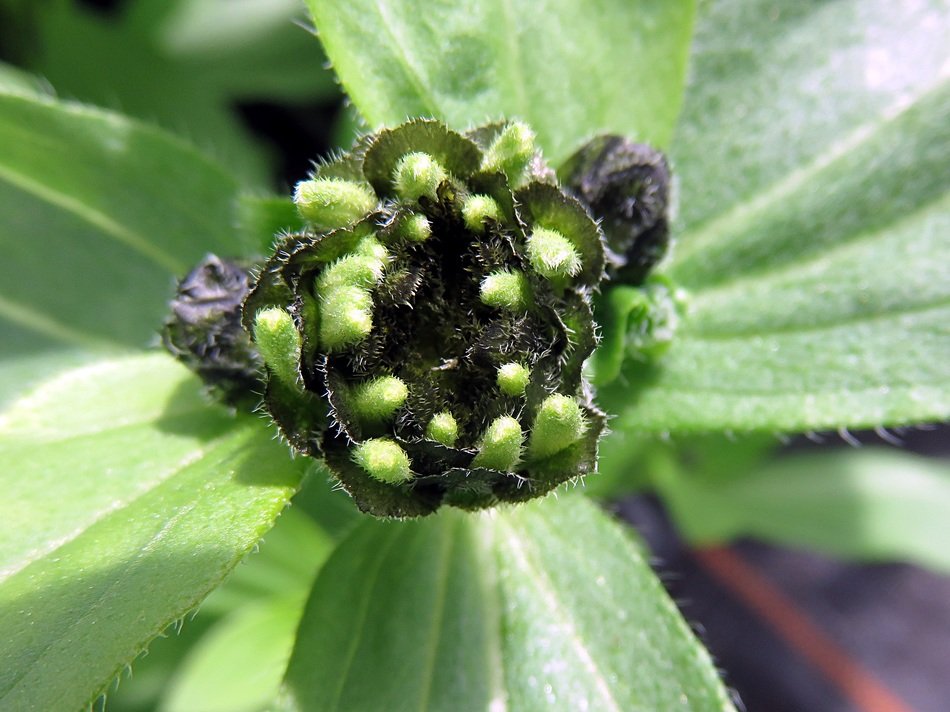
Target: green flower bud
[(559, 424), (331, 203), (354, 270), (369, 246), (415, 228), (552, 255), (443, 429), (383, 460), (418, 174), (513, 378), (506, 289), (416, 322), (378, 399), (278, 342), (476, 209), (345, 317), (500, 448), (511, 152)]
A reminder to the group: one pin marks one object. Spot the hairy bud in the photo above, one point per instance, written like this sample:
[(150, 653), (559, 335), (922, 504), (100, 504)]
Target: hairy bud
[(435, 327), (426, 333)]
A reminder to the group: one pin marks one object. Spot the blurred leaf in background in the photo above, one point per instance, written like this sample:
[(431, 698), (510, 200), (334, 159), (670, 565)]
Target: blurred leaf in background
[(183, 64)]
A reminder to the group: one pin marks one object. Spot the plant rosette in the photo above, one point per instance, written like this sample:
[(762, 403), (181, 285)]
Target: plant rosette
[(426, 332)]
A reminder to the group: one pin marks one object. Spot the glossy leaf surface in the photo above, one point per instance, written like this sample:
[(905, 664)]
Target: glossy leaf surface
[(547, 604), (814, 228), (570, 69), (97, 214), (128, 499)]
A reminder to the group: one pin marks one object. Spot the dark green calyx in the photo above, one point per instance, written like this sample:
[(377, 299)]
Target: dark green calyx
[(204, 329), (626, 185), (434, 329)]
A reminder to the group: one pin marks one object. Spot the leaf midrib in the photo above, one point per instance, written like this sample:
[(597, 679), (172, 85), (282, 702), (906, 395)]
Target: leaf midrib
[(412, 74), (207, 451), (122, 234), (856, 240), (817, 328), (557, 608), (27, 317), (182, 465), (369, 591), (151, 419), (697, 238), (427, 668), (731, 391)]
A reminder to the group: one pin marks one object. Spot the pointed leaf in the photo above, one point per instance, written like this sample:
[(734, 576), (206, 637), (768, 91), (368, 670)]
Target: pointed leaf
[(96, 214), (570, 69), (548, 604), (127, 498), (815, 224), (255, 596)]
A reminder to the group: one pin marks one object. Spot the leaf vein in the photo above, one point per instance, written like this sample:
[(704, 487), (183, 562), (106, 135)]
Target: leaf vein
[(190, 459), (369, 594), (696, 239), (827, 254), (438, 616), (414, 76), (903, 310), (559, 611), (119, 232), (29, 318), (26, 668)]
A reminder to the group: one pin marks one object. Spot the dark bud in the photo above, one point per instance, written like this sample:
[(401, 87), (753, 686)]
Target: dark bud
[(205, 333), (627, 187)]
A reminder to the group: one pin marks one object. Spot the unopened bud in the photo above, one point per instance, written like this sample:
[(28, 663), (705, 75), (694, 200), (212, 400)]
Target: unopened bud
[(501, 445), (506, 289), (559, 424), (331, 203), (418, 174), (278, 341), (379, 399), (511, 152), (552, 255), (383, 460), (443, 429)]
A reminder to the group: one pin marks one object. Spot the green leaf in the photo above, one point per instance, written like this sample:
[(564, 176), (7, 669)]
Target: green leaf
[(238, 665), (257, 592), (20, 373), (873, 505), (814, 233), (183, 64), (289, 558), (127, 498), (245, 48), (547, 604), (141, 690), (96, 214), (570, 69)]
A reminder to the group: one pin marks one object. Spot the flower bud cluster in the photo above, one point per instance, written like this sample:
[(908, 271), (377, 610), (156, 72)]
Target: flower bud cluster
[(426, 333)]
